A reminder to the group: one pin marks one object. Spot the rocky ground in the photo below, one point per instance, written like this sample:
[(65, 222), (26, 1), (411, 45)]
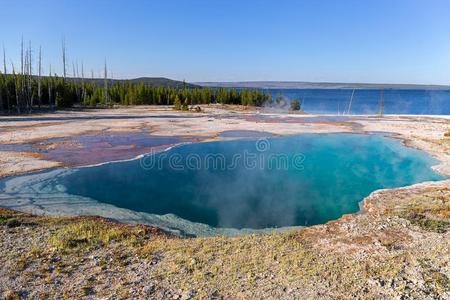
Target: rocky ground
[(397, 247)]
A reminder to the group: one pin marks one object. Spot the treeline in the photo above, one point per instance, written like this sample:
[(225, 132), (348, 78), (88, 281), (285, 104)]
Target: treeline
[(25, 88), (22, 93), (126, 93)]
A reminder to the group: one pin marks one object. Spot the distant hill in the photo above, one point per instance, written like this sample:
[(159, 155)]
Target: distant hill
[(319, 85), (151, 81)]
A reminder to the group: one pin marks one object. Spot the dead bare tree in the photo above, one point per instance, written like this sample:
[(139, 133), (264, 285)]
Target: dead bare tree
[(16, 85), (25, 80), (50, 88), (30, 96), (75, 77), (83, 90), (64, 58), (1, 91), (381, 104), (22, 85), (39, 76), (106, 84), (4, 70), (4, 60), (21, 56)]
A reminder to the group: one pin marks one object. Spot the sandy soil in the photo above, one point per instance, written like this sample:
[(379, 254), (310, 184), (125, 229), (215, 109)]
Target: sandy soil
[(13, 163)]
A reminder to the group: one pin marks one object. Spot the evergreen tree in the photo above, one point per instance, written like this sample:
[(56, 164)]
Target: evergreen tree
[(295, 105)]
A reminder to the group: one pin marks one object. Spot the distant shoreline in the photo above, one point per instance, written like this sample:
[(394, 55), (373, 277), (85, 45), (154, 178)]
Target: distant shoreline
[(319, 85)]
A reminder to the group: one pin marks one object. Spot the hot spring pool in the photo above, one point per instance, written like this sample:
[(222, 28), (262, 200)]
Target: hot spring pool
[(209, 188)]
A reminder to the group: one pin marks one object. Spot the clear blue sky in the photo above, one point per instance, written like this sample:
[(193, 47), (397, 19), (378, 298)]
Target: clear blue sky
[(384, 41)]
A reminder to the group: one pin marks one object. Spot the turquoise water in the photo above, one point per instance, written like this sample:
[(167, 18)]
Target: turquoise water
[(284, 181)]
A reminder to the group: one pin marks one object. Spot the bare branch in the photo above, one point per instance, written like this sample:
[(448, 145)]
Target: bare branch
[(106, 84), (4, 60), (39, 76), (64, 57)]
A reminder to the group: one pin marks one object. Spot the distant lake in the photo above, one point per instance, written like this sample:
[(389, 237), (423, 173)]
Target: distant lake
[(365, 101)]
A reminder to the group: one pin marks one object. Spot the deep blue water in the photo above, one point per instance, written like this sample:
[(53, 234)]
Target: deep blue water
[(297, 180), (424, 102)]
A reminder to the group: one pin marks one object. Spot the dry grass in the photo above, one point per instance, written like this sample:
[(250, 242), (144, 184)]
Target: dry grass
[(333, 258), (90, 233), (253, 262), (430, 211)]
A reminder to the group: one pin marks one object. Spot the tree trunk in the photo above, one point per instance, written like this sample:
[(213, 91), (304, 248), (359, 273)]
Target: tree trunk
[(106, 85), (50, 80), (39, 77), (64, 58), (4, 69), (16, 86)]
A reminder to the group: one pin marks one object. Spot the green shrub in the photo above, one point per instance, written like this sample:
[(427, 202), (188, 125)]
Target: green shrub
[(295, 105)]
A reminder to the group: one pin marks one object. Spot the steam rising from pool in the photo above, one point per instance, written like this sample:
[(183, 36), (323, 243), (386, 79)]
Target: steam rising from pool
[(230, 187)]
